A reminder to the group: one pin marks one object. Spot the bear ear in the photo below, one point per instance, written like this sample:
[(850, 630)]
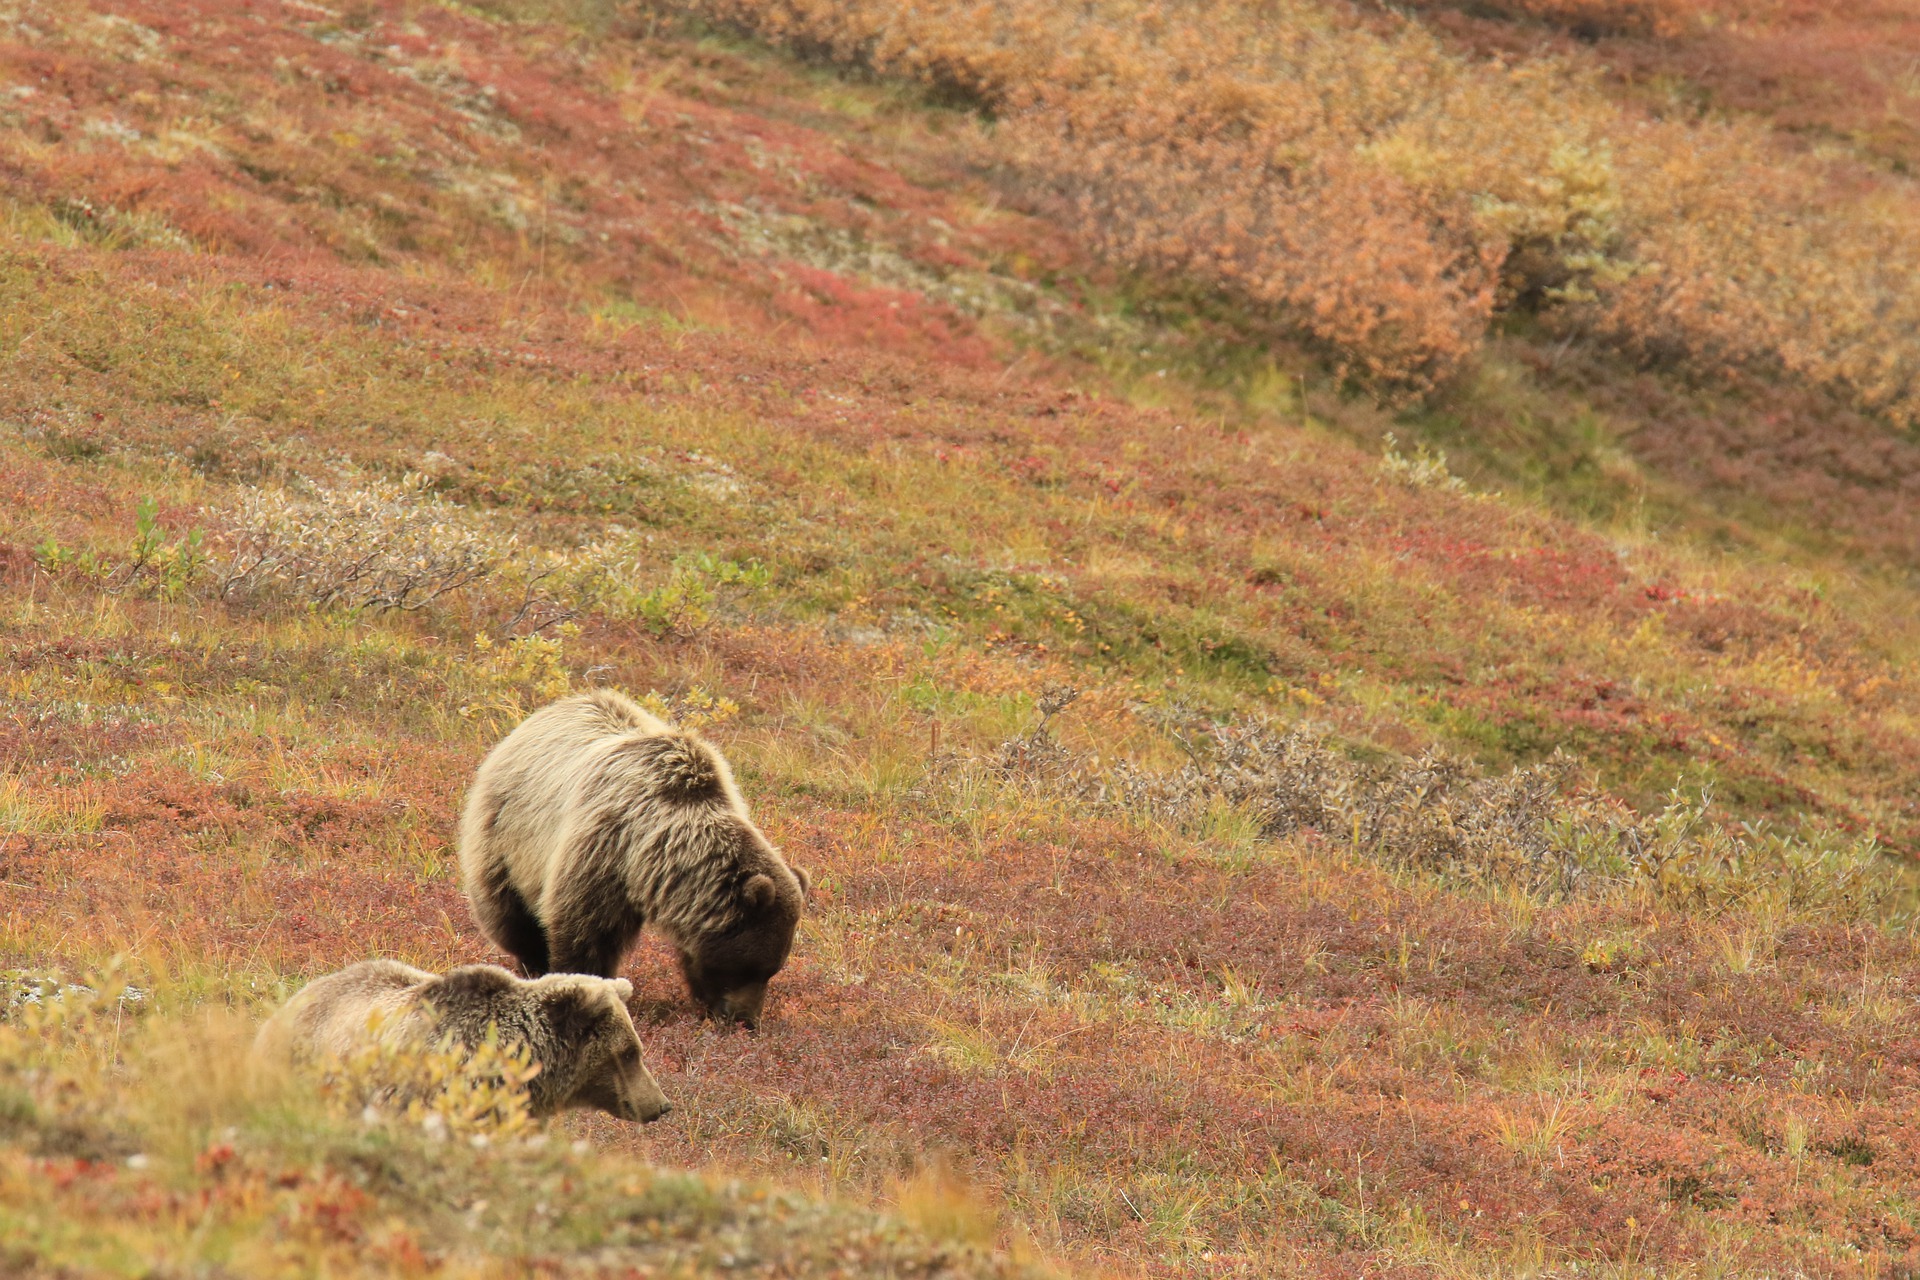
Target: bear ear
[(759, 891), (806, 882), (622, 989)]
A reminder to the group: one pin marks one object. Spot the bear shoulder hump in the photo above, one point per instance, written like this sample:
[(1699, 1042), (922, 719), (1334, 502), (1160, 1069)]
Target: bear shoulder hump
[(469, 984)]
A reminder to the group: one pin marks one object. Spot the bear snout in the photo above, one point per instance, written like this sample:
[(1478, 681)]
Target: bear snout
[(642, 1101), (648, 1117), (742, 1005)]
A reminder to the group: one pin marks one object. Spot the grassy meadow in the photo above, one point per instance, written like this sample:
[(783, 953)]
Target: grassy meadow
[(1347, 687)]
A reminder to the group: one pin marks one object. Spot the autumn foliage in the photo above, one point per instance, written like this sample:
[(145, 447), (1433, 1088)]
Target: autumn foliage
[(1390, 197), (1255, 831)]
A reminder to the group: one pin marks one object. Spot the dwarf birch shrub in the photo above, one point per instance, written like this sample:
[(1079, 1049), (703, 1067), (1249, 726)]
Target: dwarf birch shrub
[(382, 546), (1563, 231), (1533, 827), (152, 564), (1426, 469), (519, 674), (439, 1085), (1691, 861), (693, 708), (616, 575)]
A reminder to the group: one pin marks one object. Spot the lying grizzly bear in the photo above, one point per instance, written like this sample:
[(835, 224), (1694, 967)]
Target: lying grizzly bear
[(593, 819), (576, 1027)]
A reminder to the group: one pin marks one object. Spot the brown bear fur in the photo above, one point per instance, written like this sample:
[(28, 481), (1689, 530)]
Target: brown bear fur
[(593, 819), (576, 1027)]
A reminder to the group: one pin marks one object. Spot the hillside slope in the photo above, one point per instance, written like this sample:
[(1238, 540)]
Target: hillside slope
[(372, 376)]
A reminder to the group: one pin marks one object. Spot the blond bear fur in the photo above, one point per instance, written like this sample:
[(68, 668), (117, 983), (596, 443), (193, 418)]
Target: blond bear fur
[(593, 819), (576, 1027)]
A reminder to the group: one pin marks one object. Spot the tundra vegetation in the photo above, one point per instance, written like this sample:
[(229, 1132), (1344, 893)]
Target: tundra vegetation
[(1331, 606)]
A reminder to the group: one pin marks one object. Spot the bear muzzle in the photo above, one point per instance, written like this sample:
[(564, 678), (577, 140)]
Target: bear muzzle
[(741, 1004), (623, 1088), (640, 1098)]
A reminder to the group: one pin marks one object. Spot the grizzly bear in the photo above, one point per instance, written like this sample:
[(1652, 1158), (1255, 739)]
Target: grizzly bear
[(576, 1027), (593, 819)]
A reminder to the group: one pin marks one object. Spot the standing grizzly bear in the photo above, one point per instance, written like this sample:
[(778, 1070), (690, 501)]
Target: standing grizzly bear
[(593, 819), (576, 1027)]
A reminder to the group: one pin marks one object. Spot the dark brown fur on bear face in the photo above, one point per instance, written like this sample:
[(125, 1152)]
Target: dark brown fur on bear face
[(728, 971)]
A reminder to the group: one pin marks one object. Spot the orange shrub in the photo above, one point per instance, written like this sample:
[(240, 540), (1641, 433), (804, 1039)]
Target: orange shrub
[(1589, 17), (1388, 196), (1353, 255), (1669, 18)]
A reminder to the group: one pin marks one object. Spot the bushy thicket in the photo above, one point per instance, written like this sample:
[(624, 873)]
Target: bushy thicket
[(1390, 198), (1535, 827), (137, 1136), (383, 545), (1666, 18), (397, 545)]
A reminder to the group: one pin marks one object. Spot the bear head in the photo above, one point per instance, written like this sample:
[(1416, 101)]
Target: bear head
[(577, 1027), (592, 1029), (727, 969)]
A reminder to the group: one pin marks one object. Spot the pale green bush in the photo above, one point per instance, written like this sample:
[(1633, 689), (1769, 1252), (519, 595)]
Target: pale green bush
[(383, 545)]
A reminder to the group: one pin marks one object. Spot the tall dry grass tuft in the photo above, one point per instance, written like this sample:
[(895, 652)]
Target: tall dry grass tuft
[(198, 1079), (942, 1204)]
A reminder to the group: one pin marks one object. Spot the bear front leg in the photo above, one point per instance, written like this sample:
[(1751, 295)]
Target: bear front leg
[(590, 925), (592, 951), (503, 915), (591, 919)]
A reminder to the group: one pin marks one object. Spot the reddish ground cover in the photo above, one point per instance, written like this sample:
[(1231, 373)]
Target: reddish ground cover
[(744, 311)]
